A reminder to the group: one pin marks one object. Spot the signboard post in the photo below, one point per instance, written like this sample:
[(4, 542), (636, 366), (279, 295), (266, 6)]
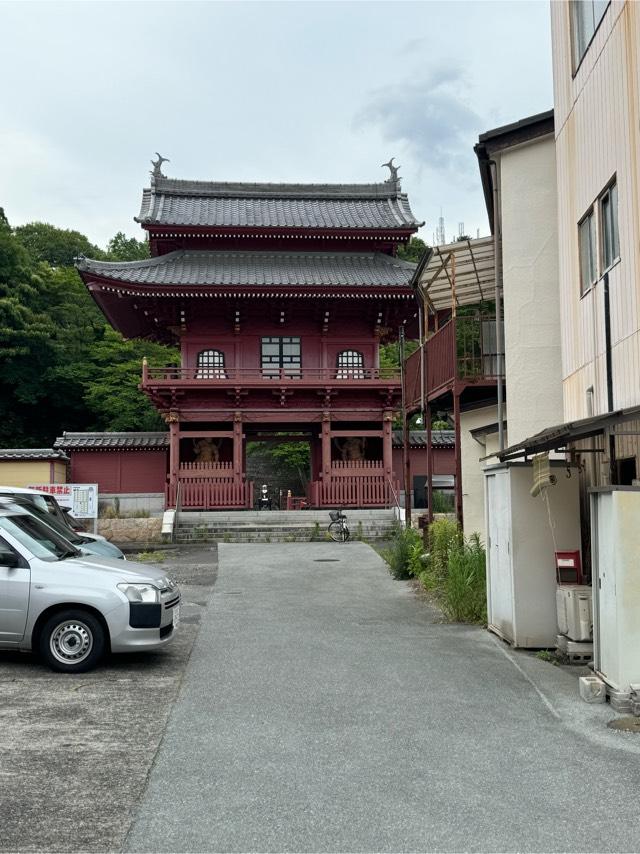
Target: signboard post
[(81, 499)]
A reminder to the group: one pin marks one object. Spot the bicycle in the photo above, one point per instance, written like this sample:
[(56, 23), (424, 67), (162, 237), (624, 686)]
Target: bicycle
[(338, 529)]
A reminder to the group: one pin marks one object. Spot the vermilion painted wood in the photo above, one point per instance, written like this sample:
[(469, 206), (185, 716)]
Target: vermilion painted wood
[(204, 493)]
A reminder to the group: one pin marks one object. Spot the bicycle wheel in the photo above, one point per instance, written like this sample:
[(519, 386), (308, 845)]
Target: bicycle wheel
[(336, 532), (339, 533)]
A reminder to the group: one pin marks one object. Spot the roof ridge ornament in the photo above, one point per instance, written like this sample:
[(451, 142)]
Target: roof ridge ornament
[(393, 178), (157, 166)]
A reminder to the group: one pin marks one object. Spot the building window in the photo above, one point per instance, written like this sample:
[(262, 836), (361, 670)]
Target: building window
[(585, 18), (281, 354), (587, 243), (211, 365), (609, 226), (350, 365)]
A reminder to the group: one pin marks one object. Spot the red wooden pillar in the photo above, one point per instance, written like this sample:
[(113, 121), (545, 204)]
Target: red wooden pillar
[(427, 423), (387, 451), (456, 419), (326, 447), (174, 448), (237, 447)]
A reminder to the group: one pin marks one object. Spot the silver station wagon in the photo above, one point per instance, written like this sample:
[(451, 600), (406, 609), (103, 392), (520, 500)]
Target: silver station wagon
[(71, 608)]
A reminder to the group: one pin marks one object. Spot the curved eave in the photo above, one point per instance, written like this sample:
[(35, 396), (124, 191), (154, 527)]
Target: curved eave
[(102, 284), (164, 230)]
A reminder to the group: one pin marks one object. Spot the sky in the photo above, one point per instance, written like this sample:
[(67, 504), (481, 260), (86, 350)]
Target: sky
[(298, 91)]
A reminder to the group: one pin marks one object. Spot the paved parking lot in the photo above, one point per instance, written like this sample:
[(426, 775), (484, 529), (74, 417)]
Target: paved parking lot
[(75, 751)]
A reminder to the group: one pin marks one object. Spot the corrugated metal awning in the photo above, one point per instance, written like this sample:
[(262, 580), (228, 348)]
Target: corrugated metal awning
[(558, 437), (460, 273)]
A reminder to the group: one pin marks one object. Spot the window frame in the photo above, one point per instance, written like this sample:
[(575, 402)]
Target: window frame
[(592, 231), (576, 61), (289, 369), (213, 369), (606, 263), (350, 370)]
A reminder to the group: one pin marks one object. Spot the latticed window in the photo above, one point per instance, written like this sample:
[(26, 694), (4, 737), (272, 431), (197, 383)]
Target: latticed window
[(211, 365), (350, 365), (281, 354)]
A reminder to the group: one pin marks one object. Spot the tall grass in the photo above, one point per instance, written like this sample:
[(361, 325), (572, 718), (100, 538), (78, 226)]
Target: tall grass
[(464, 593), (451, 566), (400, 551)]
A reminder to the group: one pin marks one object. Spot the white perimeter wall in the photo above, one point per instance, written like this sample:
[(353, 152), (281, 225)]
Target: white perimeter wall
[(531, 291), (471, 451)]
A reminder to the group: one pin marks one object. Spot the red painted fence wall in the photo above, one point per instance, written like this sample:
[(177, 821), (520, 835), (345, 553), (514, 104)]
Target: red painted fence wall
[(120, 471)]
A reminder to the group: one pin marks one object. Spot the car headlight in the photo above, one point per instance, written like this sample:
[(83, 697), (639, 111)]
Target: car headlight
[(140, 592)]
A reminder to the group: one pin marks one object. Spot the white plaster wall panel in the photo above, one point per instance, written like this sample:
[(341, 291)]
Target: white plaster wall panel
[(472, 469), (531, 294)]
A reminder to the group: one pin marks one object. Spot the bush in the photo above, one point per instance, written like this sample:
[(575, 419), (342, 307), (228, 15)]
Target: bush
[(400, 554), (443, 537), (453, 568), (464, 593)]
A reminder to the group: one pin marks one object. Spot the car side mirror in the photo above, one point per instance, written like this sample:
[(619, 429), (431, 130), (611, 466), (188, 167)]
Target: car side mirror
[(10, 560)]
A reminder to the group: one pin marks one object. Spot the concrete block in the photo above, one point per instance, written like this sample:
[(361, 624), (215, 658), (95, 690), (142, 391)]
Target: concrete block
[(592, 689)]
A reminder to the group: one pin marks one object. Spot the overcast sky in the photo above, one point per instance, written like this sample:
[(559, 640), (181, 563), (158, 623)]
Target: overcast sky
[(258, 91)]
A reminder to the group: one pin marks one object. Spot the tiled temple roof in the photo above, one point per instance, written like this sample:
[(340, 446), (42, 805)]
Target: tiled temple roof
[(225, 268), (159, 441), (418, 439), (101, 441), (170, 202), (20, 454)]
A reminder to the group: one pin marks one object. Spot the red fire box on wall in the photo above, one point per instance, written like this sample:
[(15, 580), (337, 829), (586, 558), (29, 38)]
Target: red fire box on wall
[(569, 568)]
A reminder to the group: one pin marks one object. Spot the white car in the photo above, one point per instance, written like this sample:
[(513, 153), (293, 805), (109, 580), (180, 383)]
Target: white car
[(71, 608)]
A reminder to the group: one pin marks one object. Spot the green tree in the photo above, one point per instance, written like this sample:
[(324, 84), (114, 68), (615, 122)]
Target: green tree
[(112, 379), (295, 456), (123, 248), (413, 250), (26, 344), (57, 246)]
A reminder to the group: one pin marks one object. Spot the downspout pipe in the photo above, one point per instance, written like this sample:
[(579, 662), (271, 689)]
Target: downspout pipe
[(497, 250), (613, 465)]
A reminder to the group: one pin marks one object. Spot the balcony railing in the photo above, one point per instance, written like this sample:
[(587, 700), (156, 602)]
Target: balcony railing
[(267, 376), (464, 349)]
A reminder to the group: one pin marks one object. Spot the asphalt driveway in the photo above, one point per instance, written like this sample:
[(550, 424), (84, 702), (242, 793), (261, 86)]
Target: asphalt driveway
[(326, 708)]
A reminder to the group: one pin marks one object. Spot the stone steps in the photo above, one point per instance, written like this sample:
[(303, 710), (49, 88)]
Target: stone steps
[(279, 526)]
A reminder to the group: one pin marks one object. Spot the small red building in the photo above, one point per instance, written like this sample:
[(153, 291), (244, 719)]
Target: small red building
[(278, 296)]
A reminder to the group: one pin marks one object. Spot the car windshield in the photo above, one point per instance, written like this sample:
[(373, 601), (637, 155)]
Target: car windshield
[(41, 540), (55, 523)]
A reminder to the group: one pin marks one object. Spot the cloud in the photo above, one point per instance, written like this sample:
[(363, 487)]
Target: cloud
[(430, 117)]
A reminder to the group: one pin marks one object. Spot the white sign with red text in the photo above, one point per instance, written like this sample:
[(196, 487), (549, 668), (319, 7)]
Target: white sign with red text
[(81, 499)]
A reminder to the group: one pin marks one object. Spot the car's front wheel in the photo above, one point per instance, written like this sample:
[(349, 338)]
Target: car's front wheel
[(72, 641)]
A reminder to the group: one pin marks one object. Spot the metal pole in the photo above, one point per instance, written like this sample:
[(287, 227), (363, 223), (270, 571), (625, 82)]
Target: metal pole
[(497, 251)]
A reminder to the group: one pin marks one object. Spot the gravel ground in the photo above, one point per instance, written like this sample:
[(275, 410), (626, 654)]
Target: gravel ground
[(75, 751)]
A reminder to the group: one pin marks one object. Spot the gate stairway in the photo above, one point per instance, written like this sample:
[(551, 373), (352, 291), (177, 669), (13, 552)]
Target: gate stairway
[(278, 526)]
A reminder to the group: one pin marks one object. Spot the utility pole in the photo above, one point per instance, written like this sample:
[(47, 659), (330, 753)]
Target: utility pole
[(406, 458)]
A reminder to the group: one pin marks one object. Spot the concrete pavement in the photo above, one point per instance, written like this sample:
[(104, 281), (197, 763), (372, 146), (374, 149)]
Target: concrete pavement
[(326, 708)]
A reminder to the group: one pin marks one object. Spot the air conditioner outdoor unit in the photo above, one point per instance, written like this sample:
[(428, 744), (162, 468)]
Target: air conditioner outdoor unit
[(575, 611)]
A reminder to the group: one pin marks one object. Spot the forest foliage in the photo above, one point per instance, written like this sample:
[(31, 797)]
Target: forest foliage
[(62, 366)]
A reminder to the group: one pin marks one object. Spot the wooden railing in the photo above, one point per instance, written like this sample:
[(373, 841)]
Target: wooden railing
[(463, 349), (267, 376), (372, 490), (206, 494), (189, 471), (356, 468)]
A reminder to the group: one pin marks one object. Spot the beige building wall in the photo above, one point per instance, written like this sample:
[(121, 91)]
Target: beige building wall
[(471, 452), (26, 472), (530, 287), (597, 113)]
